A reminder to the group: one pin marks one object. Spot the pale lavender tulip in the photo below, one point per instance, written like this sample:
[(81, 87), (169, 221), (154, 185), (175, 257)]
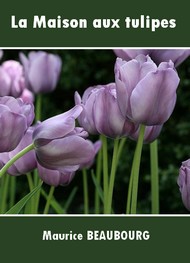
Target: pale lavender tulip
[(27, 162), (101, 113), (55, 177), (97, 146), (146, 93), (27, 96), (12, 80), (177, 56), (184, 183), (151, 133), (16, 117), (61, 146), (42, 71)]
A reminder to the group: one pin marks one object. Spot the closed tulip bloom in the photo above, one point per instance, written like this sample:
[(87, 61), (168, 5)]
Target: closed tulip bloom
[(61, 146), (101, 113), (15, 118), (27, 162), (12, 80), (184, 183), (146, 93), (42, 71), (151, 133), (158, 55)]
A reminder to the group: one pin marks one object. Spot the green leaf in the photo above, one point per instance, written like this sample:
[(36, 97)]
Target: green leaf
[(18, 206), (98, 187)]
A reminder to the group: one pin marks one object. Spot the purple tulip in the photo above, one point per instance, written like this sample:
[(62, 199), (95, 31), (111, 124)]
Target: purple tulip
[(184, 183), (151, 133), (16, 117), (27, 162), (12, 80), (101, 113), (61, 146), (42, 71), (158, 55), (55, 177), (27, 96), (146, 93), (97, 146)]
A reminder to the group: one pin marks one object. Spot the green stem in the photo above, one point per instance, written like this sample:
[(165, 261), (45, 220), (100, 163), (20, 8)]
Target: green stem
[(120, 148), (31, 187), (112, 177), (129, 193), (98, 178), (49, 198), (4, 194), (12, 191), (38, 107), (85, 191), (135, 169), (154, 177), (105, 169), (15, 158)]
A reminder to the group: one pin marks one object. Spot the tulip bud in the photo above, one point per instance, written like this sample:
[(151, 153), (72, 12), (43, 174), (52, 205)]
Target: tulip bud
[(184, 183), (24, 164), (12, 80), (16, 117), (146, 93), (41, 70), (101, 113), (61, 146)]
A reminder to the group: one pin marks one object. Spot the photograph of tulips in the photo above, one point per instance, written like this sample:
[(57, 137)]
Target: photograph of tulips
[(95, 131)]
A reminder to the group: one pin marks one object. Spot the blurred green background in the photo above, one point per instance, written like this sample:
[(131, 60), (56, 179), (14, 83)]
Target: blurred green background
[(84, 68)]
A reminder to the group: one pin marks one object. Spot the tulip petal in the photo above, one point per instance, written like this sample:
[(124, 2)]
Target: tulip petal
[(12, 129), (56, 127), (68, 151), (153, 99)]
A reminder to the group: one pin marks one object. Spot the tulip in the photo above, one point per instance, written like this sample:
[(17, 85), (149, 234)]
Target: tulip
[(101, 113), (158, 55), (55, 177), (27, 162), (42, 71), (151, 133), (12, 80), (97, 146), (27, 96), (184, 183), (146, 93), (61, 146), (16, 117)]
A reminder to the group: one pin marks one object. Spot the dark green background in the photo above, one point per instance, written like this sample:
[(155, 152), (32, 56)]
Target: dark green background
[(90, 37), (21, 239)]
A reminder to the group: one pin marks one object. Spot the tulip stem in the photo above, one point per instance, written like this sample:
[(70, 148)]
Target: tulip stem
[(85, 191), (154, 177), (49, 198), (38, 107), (136, 169), (15, 158), (98, 178), (112, 176), (105, 169)]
